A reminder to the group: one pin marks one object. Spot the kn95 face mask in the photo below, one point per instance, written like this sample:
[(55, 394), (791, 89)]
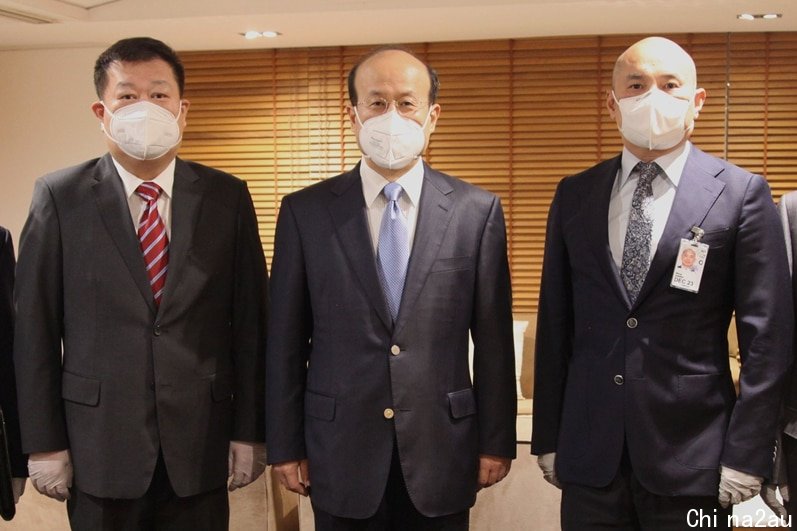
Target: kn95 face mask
[(143, 130), (390, 140), (654, 120)]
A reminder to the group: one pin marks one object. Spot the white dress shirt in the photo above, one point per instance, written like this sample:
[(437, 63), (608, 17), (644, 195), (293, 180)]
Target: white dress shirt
[(664, 187), (137, 205), (375, 200)]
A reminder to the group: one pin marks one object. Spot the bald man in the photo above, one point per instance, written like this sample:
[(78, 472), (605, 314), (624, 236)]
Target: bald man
[(635, 414), (378, 276)]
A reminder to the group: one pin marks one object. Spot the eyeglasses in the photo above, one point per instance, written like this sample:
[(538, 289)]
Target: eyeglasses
[(405, 106)]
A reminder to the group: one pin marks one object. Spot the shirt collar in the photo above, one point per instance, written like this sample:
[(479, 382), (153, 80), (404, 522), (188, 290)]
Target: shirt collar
[(672, 163), (165, 179), (373, 183)]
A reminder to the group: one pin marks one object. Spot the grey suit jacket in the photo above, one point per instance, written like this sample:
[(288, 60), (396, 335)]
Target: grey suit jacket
[(185, 378), (336, 362), (654, 376), (788, 213)]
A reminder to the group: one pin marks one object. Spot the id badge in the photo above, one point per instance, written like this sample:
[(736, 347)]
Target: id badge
[(689, 265)]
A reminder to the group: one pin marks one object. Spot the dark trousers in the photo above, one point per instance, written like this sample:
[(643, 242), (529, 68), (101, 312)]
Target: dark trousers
[(395, 513), (160, 509), (625, 504)]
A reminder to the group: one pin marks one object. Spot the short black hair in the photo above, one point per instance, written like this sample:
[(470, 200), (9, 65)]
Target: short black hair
[(133, 50), (434, 81)]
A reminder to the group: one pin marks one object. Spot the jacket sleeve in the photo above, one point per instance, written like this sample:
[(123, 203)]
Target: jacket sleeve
[(554, 335), (8, 393), (493, 354), (788, 213), (290, 329), (764, 322), (249, 325), (39, 326), (787, 427)]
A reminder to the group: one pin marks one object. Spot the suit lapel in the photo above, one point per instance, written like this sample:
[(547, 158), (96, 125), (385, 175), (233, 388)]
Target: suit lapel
[(596, 224), (434, 214), (111, 201), (348, 215), (697, 192), (186, 202)]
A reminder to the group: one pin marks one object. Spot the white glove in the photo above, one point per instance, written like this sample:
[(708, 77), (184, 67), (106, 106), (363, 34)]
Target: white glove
[(51, 473), (546, 463), (18, 486), (768, 492), (736, 486), (246, 462)]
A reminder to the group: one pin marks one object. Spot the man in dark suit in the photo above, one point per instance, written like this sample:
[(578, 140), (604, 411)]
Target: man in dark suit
[(786, 461), (8, 397), (370, 398), (150, 272), (634, 409)]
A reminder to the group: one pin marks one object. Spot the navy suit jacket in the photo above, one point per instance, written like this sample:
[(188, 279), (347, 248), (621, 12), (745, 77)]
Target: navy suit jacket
[(336, 361), (654, 375)]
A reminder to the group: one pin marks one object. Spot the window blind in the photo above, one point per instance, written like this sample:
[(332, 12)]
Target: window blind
[(517, 116)]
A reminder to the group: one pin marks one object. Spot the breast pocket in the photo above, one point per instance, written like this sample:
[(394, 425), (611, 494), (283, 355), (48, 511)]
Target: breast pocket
[(457, 263), (717, 238)]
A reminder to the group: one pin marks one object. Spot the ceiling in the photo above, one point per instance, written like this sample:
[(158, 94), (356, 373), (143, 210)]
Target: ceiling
[(217, 24)]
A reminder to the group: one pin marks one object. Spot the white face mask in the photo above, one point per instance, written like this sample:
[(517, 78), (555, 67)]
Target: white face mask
[(143, 130), (390, 140), (654, 120)]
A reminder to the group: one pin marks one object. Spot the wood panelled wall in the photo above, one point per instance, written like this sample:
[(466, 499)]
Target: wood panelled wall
[(517, 116)]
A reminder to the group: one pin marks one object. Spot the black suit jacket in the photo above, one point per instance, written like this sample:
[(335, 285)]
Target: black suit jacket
[(336, 362), (8, 397), (655, 375), (184, 378)]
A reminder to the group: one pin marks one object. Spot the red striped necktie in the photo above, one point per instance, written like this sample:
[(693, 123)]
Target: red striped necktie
[(153, 239)]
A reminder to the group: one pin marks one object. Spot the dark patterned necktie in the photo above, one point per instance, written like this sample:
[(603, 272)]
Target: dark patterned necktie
[(153, 239), (636, 251)]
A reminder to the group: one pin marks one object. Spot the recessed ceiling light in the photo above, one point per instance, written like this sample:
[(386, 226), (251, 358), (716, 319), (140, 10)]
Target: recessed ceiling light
[(759, 16), (251, 34)]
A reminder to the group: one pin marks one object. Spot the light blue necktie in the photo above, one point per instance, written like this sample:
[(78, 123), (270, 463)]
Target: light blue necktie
[(393, 251)]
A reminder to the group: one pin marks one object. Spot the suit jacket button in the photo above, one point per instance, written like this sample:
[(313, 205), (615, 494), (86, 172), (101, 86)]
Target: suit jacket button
[(157, 330), (395, 350), (618, 379), (631, 323), (388, 413)]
